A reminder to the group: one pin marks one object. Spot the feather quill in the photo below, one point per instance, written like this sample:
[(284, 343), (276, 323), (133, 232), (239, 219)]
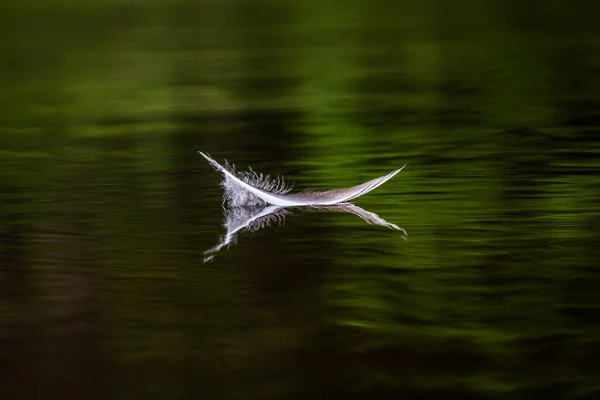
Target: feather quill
[(258, 189)]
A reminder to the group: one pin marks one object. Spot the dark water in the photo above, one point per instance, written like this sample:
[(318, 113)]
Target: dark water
[(107, 209)]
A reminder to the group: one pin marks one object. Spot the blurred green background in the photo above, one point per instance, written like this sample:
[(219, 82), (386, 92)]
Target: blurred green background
[(106, 208)]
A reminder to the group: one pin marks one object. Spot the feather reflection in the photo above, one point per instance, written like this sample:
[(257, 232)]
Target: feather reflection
[(252, 219)]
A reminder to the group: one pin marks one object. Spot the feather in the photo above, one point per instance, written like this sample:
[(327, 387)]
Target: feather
[(258, 189)]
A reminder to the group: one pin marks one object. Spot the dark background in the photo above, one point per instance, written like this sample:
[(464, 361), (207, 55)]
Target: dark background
[(106, 209)]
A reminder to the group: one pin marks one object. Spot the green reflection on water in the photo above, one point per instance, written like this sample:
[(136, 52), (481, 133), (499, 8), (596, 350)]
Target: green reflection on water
[(107, 208)]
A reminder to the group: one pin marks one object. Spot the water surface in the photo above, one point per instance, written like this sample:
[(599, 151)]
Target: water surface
[(107, 209)]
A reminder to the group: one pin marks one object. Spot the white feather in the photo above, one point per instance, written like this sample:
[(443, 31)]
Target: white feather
[(274, 191)]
